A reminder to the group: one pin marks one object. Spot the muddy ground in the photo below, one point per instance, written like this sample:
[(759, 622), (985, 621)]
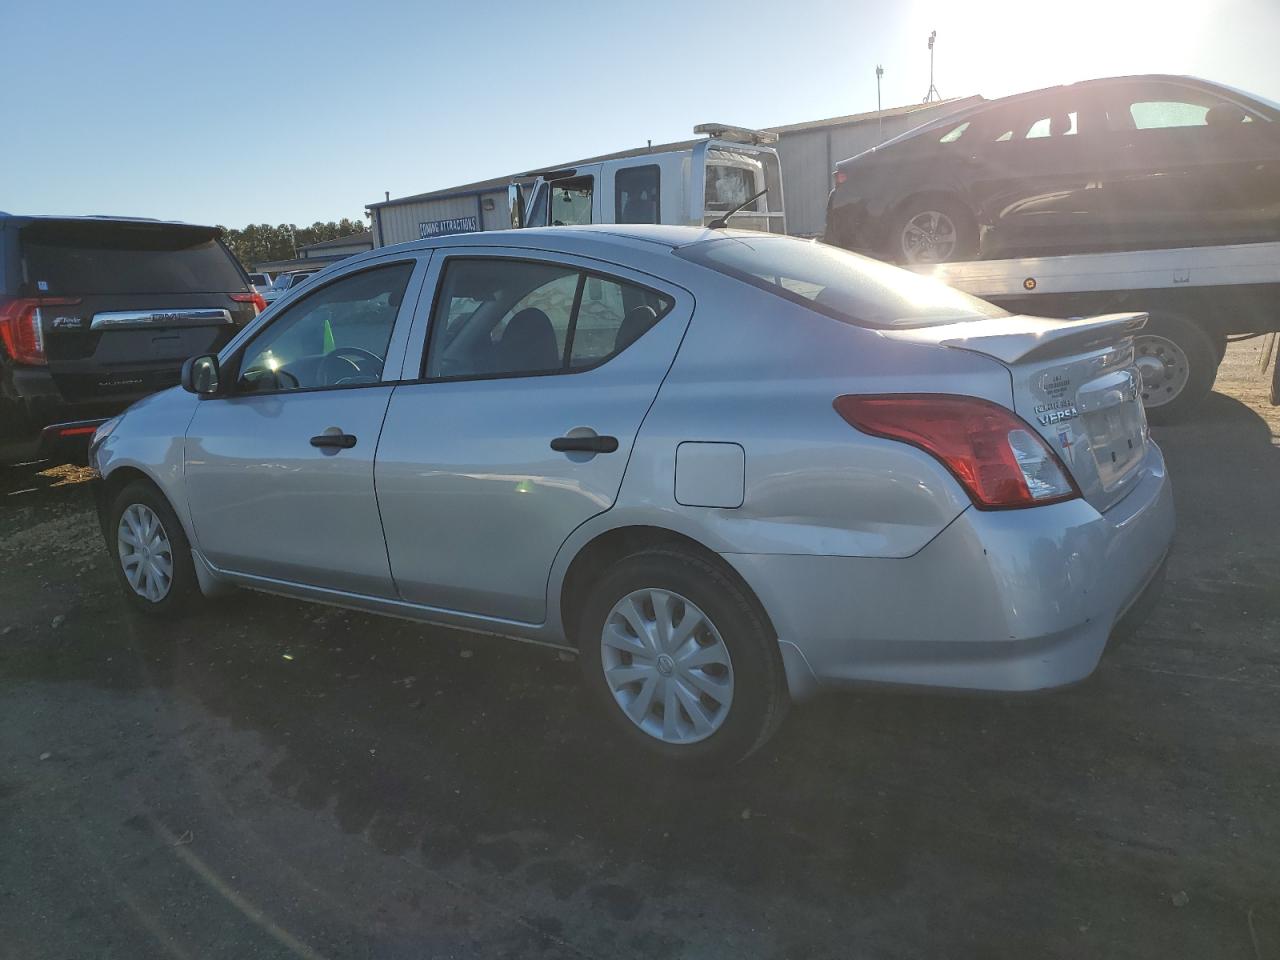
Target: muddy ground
[(271, 779)]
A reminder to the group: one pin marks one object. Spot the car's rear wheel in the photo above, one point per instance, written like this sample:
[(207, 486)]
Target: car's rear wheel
[(153, 557), (932, 229), (680, 659), (1178, 361)]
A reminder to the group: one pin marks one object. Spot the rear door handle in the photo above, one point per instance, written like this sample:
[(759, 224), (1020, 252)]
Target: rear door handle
[(339, 441), (584, 444)]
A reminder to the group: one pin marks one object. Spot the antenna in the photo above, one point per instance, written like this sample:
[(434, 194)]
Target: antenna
[(879, 74), (933, 93)]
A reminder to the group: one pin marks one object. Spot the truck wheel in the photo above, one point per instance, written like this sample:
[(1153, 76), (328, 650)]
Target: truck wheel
[(932, 229), (1179, 363)]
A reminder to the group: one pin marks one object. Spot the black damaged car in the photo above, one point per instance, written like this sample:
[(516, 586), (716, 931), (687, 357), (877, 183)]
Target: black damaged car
[(1141, 162)]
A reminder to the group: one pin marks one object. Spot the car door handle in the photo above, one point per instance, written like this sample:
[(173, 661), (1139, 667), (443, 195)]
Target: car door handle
[(591, 444), (339, 441)]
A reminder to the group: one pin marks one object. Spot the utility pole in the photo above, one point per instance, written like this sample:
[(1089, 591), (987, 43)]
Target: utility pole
[(933, 93), (879, 74)]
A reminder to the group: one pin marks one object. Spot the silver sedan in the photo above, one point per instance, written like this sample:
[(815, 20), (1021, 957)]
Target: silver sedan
[(727, 469)]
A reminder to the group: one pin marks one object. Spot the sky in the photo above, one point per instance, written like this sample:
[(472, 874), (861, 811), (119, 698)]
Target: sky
[(236, 112)]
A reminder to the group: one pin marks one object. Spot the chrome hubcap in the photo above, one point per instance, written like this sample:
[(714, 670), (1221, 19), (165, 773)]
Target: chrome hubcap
[(667, 666), (929, 237), (1164, 369), (145, 554)]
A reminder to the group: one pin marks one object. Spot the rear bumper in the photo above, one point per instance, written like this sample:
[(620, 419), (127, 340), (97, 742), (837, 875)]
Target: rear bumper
[(1002, 601)]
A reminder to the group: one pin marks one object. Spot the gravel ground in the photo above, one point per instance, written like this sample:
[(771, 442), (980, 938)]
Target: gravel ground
[(272, 779)]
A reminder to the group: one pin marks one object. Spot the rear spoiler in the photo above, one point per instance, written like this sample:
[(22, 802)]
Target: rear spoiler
[(1018, 338)]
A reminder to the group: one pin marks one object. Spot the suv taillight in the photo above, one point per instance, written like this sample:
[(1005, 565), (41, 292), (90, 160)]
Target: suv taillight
[(255, 298), (20, 326), (838, 178), (999, 459)]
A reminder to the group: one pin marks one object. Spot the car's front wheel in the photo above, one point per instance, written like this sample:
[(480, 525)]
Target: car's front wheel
[(680, 659), (153, 557)]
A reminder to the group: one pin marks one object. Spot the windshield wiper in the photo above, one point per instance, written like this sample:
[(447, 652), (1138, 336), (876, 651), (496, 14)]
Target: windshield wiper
[(720, 223)]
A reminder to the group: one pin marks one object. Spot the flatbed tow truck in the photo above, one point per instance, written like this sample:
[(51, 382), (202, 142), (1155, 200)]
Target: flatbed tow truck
[(1199, 299)]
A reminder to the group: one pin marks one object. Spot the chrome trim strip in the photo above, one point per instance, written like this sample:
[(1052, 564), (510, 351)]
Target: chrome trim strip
[(175, 317)]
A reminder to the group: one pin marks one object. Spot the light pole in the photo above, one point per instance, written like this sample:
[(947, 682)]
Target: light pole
[(933, 91), (879, 74)]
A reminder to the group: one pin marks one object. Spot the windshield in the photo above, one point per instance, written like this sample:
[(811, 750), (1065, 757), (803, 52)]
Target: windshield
[(842, 285)]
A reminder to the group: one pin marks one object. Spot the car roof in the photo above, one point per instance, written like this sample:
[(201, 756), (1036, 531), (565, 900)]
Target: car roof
[(984, 105), (570, 239)]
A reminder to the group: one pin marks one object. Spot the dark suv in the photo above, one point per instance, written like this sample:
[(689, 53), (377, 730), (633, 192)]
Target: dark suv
[(1114, 164), (96, 312)]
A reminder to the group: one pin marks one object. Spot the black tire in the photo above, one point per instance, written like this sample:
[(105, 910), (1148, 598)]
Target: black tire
[(965, 223), (183, 587), (1201, 369), (760, 699)]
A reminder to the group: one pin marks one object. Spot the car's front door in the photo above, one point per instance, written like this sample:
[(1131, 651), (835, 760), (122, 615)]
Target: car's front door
[(537, 376), (1186, 166), (279, 471)]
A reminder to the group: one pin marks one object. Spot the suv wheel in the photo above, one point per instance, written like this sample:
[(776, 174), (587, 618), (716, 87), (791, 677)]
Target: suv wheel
[(679, 659), (153, 557)]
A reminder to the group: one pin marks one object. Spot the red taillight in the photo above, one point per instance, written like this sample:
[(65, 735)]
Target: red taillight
[(998, 458), (255, 298), (839, 177), (21, 330)]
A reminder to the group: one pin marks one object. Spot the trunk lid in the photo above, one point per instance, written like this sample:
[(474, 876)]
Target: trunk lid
[(149, 296), (1075, 382)]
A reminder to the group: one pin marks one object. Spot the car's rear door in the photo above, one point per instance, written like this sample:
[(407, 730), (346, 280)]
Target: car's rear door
[(279, 470), (1034, 172), (135, 299), (539, 372)]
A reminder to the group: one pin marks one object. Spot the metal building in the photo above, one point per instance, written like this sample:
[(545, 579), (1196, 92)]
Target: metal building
[(808, 153)]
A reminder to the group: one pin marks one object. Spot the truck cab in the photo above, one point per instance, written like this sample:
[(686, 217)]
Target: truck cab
[(690, 186)]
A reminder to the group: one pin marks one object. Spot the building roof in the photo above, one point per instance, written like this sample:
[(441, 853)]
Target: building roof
[(499, 184), (364, 236)]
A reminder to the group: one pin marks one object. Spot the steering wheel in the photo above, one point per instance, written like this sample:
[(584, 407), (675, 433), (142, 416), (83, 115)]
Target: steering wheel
[(342, 363)]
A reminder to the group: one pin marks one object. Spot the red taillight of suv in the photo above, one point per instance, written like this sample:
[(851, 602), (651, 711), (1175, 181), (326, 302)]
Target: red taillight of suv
[(999, 459), (838, 178), (21, 330), (255, 298)]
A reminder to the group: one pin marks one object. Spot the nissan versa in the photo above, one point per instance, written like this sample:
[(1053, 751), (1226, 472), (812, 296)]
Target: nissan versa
[(728, 469)]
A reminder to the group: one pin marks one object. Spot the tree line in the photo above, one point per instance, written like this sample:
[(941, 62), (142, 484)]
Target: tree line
[(259, 242)]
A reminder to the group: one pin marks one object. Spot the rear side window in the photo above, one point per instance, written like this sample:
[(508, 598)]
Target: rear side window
[(837, 283), (636, 195), (85, 259), (571, 201), (503, 318), (727, 186)]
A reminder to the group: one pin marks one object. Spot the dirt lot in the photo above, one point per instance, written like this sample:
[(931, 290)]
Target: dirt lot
[(271, 779)]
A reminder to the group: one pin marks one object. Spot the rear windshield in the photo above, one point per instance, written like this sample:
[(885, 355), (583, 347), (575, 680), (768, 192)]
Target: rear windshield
[(78, 259), (842, 285)]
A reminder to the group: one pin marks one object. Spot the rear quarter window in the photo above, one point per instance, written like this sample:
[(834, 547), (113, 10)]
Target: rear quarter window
[(839, 284)]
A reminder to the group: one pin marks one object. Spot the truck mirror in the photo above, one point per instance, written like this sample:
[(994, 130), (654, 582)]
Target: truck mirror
[(515, 200)]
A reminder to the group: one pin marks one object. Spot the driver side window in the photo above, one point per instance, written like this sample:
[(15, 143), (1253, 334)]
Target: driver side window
[(335, 337)]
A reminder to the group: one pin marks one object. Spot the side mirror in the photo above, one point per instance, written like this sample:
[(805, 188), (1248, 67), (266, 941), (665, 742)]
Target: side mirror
[(201, 376), (515, 200)]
